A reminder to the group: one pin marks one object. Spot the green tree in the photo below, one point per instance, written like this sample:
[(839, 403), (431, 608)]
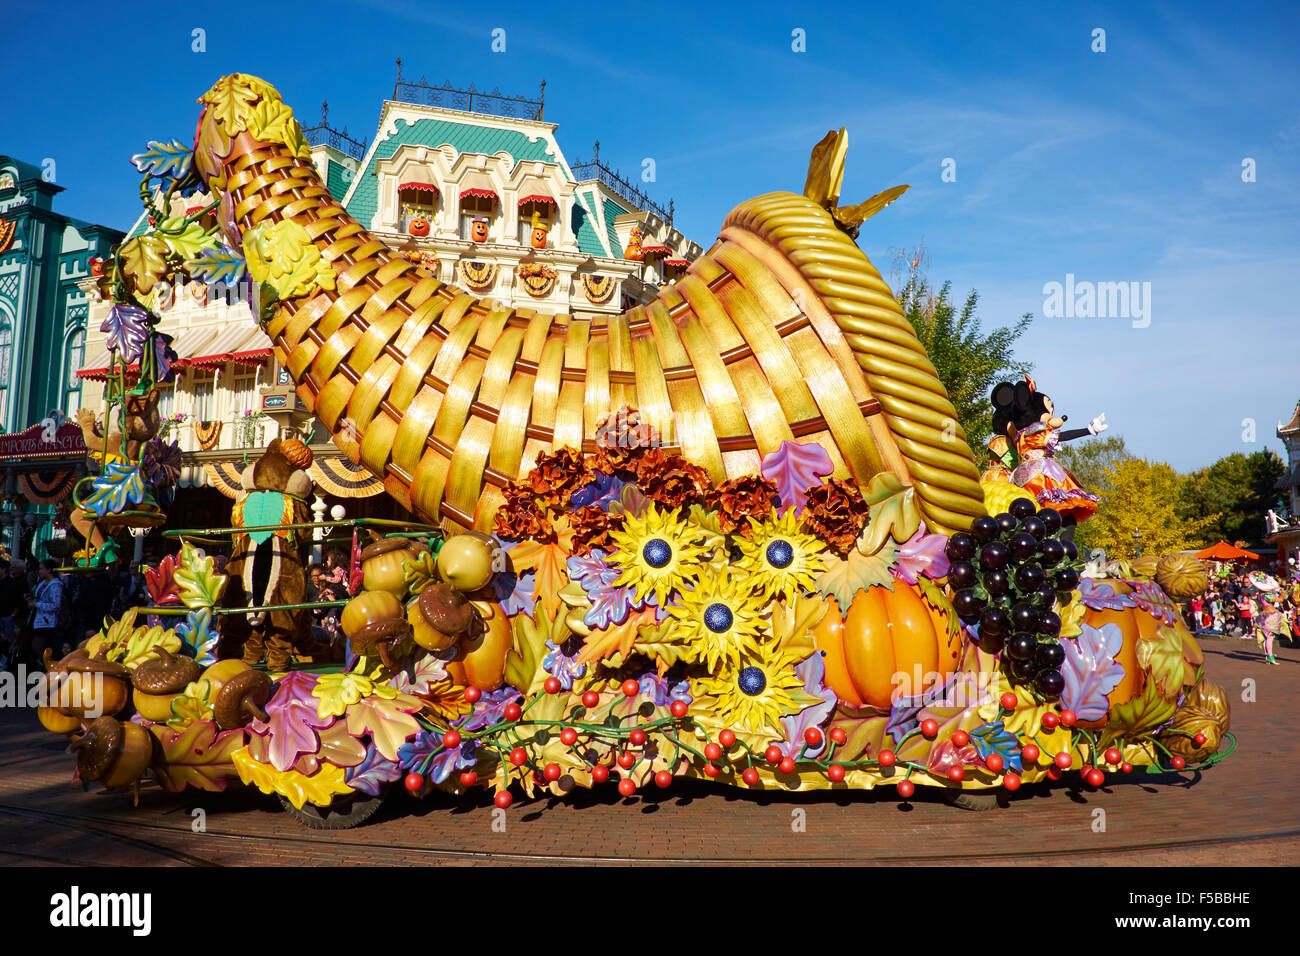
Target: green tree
[(969, 360), (1236, 490), (1089, 458), (1139, 496)]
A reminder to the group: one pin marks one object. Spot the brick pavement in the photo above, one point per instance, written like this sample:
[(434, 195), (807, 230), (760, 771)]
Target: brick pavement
[(1243, 811)]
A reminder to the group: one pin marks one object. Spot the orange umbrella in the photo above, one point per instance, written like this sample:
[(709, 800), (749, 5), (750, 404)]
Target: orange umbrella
[(1226, 552)]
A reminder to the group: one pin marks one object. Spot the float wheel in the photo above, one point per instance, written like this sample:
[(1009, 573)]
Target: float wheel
[(343, 814)]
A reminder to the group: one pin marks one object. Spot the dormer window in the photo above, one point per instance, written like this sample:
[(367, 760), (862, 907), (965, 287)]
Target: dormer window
[(417, 203), (536, 218), (478, 212)]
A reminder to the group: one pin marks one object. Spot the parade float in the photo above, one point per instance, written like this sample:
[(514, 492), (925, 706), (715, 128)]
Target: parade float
[(732, 534)]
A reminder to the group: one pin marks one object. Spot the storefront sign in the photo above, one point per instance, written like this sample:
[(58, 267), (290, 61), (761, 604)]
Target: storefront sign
[(44, 441)]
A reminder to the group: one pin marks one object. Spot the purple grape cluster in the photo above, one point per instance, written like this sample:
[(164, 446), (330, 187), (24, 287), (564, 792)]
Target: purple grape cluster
[(1007, 572)]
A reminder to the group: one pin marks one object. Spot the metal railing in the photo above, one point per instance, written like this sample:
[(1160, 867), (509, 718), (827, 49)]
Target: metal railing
[(595, 169), (494, 103), (325, 136)]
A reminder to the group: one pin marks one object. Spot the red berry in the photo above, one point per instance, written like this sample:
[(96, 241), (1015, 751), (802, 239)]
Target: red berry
[(663, 780), (994, 762), (551, 771), (413, 782), (626, 787), (631, 688), (1053, 772), (627, 760), (1178, 763), (568, 736), (519, 756), (1050, 720), (1029, 753), (636, 737), (773, 754), (1009, 701), (838, 735), (750, 776), (929, 729), (1200, 740), (887, 758), (1011, 781), (1063, 760), (513, 712), (472, 694), (711, 771), (906, 788), (1068, 718), (960, 738), (678, 708), (835, 772), (812, 737), (451, 739), (1113, 756), (590, 699), (468, 778), (957, 773), (786, 765), (727, 737), (1126, 767), (503, 799), (600, 773), (552, 685), (712, 751), (1094, 777)]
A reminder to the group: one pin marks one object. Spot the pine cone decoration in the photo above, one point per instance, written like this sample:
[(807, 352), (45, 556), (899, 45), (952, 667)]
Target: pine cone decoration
[(592, 527), (671, 480), (738, 499), (836, 512), (557, 475)]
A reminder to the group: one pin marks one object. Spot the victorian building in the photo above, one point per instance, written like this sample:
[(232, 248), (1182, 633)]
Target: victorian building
[(1283, 530), (44, 256), (474, 186)]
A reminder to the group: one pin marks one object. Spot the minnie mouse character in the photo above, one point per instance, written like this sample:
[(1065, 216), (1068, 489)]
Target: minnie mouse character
[(1027, 417)]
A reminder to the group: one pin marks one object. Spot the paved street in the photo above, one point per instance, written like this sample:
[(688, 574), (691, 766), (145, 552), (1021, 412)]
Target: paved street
[(1242, 812)]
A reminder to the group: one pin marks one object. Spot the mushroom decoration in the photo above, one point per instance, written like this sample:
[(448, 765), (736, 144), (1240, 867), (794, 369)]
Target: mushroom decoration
[(160, 679)]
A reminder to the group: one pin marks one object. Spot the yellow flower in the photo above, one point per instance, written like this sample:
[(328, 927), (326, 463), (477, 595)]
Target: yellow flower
[(783, 559), (753, 694), (657, 553), (720, 618)]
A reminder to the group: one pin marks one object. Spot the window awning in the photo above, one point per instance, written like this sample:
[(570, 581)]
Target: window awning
[(679, 263), (239, 344), (655, 250), (538, 197), (478, 192), (418, 187)]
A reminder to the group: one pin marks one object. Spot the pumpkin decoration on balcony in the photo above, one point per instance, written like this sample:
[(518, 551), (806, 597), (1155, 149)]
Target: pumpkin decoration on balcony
[(540, 231), (887, 643), (418, 226), (633, 251), (478, 230)]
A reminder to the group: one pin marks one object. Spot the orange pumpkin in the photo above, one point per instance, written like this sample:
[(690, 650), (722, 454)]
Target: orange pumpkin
[(479, 230), (418, 226), (887, 643)]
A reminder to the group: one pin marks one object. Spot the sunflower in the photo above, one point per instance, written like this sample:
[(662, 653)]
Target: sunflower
[(656, 553), (720, 618), (782, 559), (752, 694)]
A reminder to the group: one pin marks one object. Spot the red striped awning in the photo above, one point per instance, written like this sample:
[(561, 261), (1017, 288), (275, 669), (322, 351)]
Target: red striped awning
[(534, 197), (476, 193), (679, 263), (655, 250), (418, 187)]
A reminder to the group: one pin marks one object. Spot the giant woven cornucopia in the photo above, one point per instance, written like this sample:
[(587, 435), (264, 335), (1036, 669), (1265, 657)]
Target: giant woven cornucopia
[(736, 532)]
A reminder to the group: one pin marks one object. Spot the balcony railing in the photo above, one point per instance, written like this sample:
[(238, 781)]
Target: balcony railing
[(324, 136), (495, 103), (595, 169)]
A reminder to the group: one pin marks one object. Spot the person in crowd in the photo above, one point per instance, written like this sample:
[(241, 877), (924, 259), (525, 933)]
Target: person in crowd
[(46, 602), (13, 592)]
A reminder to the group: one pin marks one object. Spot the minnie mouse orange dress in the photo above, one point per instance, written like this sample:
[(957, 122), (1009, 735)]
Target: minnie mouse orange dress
[(1040, 474)]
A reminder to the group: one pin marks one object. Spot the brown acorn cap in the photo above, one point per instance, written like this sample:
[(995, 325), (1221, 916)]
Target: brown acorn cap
[(98, 748), (382, 546), (92, 665), (379, 635), (166, 673), (241, 699), (447, 610)]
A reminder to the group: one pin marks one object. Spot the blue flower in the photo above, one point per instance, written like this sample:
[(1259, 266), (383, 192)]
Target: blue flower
[(602, 492)]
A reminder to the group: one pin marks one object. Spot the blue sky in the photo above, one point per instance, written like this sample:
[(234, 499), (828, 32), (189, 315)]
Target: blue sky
[(1122, 166)]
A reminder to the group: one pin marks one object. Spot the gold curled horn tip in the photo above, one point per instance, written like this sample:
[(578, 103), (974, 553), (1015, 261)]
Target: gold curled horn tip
[(849, 218), (826, 168)]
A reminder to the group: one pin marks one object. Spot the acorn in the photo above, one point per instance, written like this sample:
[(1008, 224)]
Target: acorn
[(241, 698), (113, 752), (79, 692), (373, 620), (440, 615), (160, 679), (381, 566), (465, 560)]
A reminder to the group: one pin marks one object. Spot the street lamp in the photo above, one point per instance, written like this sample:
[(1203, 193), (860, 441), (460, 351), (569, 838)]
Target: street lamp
[(1137, 543)]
